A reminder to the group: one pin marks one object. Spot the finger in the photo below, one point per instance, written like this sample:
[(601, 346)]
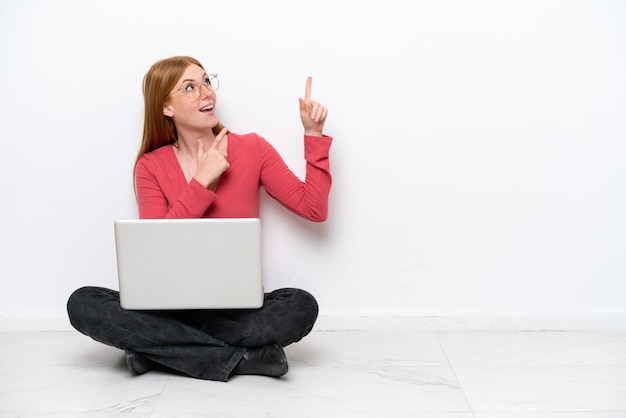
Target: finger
[(322, 115), (200, 147), (304, 107), (307, 90), (318, 111), (223, 132), (218, 139), (223, 146)]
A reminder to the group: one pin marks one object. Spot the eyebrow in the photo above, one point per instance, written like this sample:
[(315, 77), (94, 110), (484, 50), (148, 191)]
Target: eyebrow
[(191, 79)]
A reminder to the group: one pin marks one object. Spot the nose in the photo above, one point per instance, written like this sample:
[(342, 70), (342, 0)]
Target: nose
[(208, 88)]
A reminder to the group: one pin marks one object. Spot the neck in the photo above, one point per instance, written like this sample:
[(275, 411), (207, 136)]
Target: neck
[(187, 143)]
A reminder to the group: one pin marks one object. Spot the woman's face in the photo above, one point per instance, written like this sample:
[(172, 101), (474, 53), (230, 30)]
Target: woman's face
[(191, 103)]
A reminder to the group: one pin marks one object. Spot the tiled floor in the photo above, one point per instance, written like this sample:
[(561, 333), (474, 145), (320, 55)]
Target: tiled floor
[(333, 374)]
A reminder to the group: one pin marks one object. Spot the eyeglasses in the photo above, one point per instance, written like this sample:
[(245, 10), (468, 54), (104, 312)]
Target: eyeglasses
[(193, 90)]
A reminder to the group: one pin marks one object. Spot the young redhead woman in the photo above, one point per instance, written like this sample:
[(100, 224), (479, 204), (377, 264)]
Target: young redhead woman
[(190, 166)]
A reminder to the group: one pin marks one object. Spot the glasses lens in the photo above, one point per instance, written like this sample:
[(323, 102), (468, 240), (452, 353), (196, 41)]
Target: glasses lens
[(215, 82), (194, 91)]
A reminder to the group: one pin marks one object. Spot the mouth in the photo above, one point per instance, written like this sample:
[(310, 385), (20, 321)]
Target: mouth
[(207, 108)]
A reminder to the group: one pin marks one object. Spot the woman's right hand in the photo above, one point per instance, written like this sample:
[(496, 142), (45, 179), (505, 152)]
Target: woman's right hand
[(212, 162), (312, 113)]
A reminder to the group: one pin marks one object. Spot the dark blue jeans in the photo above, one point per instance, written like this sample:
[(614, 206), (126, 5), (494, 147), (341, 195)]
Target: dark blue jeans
[(206, 344)]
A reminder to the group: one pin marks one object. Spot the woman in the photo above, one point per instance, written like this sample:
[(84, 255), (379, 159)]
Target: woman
[(190, 166)]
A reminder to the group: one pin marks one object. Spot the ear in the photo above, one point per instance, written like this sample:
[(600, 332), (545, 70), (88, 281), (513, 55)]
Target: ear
[(168, 110)]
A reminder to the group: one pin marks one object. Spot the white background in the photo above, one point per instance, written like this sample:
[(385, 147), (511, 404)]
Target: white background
[(478, 158)]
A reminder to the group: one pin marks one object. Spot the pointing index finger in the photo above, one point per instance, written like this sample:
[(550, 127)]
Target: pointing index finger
[(307, 91)]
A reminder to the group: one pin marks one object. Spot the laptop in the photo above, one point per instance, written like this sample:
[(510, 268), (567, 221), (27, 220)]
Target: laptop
[(168, 264)]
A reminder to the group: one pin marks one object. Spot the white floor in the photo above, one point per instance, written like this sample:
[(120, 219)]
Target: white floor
[(333, 374)]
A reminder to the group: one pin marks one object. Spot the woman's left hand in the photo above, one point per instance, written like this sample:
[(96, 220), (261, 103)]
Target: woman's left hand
[(312, 113)]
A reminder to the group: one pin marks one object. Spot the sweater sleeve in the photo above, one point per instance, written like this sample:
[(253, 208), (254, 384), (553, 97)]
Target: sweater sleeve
[(152, 200), (308, 199)]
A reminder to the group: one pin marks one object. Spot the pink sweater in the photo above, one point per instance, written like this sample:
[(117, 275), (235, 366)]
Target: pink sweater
[(163, 191)]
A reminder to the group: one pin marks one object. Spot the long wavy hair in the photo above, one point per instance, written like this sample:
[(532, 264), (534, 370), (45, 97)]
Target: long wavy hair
[(158, 129)]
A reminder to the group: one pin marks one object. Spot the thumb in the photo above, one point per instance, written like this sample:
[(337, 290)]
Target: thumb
[(304, 107)]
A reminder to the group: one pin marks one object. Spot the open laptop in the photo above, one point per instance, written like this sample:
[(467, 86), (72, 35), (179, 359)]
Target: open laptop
[(189, 263)]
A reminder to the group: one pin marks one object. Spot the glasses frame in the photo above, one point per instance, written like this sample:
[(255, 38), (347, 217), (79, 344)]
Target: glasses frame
[(213, 79)]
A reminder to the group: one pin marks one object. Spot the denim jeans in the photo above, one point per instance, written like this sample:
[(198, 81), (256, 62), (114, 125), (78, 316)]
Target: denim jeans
[(205, 344)]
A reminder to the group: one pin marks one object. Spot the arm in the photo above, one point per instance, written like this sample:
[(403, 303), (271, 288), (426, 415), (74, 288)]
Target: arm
[(155, 189), (308, 199), (163, 193)]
